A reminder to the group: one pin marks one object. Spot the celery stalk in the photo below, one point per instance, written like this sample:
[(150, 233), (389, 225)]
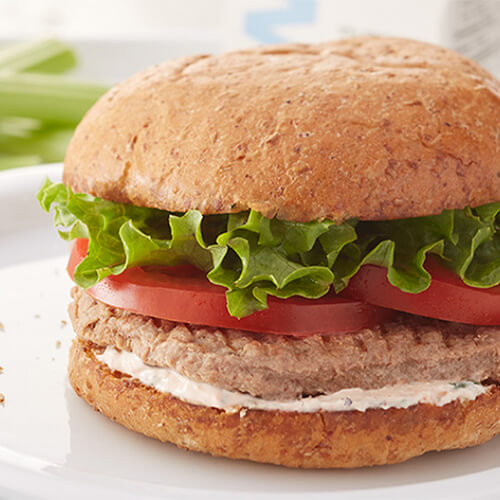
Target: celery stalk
[(48, 143), (45, 56), (49, 98), (15, 161), (13, 127)]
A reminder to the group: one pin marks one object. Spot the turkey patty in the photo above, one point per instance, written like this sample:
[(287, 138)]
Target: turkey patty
[(407, 349)]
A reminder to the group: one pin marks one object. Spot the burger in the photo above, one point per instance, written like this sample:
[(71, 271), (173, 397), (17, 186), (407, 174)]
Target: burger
[(291, 254)]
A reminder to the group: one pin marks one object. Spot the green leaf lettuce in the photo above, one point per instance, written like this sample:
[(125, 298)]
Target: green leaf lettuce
[(254, 257)]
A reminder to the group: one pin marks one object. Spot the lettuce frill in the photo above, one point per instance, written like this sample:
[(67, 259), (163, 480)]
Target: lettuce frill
[(254, 257)]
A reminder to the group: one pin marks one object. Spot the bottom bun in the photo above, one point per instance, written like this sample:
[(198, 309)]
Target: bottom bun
[(312, 440)]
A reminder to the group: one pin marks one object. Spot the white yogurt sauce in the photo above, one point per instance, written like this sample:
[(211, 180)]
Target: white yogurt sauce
[(166, 380)]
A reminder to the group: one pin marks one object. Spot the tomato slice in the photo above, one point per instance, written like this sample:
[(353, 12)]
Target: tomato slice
[(184, 294), (448, 297)]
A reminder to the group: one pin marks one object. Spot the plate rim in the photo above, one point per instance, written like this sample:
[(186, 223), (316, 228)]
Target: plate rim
[(15, 179)]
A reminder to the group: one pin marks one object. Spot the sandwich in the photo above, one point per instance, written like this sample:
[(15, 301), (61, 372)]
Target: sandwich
[(291, 254)]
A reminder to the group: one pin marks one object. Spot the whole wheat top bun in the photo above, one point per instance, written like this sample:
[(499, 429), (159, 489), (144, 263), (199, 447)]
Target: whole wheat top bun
[(374, 128)]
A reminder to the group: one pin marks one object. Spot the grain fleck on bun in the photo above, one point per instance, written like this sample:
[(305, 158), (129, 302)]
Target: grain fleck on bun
[(309, 440), (374, 128)]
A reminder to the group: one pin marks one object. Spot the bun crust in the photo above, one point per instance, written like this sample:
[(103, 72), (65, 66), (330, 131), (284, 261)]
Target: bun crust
[(317, 440), (374, 128)]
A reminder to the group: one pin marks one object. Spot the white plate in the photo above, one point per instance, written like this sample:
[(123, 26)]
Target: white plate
[(52, 445)]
